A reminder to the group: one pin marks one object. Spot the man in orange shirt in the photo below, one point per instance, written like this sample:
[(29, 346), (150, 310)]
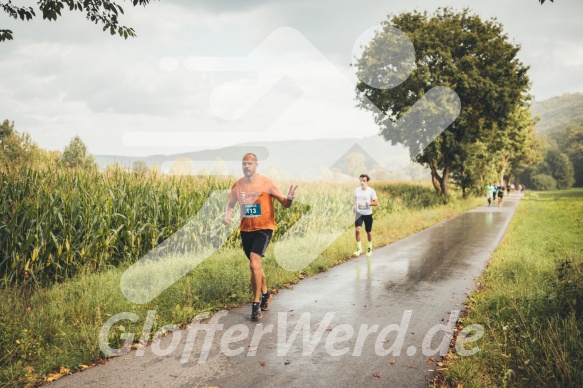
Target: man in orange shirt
[(254, 193)]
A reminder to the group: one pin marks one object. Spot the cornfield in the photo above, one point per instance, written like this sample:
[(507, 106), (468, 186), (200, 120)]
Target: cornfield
[(55, 222)]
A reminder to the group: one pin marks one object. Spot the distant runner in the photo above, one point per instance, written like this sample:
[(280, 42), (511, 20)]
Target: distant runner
[(490, 190), (254, 193), (500, 194), (364, 198)]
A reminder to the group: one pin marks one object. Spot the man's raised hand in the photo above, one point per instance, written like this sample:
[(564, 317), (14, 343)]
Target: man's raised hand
[(291, 194)]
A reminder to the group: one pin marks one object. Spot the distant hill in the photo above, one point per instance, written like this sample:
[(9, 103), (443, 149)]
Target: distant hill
[(557, 112), (296, 159)]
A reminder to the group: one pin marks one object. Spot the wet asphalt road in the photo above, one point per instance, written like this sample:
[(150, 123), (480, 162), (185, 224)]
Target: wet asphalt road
[(385, 315)]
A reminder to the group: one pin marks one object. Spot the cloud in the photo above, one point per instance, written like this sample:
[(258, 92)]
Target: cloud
[(568, 54)]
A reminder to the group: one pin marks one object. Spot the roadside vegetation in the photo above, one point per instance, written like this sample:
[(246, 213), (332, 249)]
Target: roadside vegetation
[(530, 301)]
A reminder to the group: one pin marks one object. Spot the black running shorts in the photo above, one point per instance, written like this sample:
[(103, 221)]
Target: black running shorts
[(256, 241), (367, 221)]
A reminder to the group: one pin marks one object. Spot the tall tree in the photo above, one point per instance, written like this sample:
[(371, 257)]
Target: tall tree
[(6, 129), (558, 165), (105, 12), (570, 142), (75, 155), (517, 146), (477, 168), (453, 49), (17, 148)]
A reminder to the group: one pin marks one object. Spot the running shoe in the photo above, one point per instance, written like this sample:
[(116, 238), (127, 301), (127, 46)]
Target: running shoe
[(357, 252), (265, 300), (369, 251), (255, 311)]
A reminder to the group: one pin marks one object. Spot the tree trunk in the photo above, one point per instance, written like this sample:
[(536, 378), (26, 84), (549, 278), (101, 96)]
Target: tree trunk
[(504, 166), (443, 182), (435, 179)]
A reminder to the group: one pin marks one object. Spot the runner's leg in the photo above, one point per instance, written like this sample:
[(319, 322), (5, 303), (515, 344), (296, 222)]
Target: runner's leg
[(257, 276), (263, 282)]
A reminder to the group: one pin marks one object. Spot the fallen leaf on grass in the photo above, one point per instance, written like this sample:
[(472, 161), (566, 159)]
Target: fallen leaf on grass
[(377, 374), (430, 361), (53, 377)]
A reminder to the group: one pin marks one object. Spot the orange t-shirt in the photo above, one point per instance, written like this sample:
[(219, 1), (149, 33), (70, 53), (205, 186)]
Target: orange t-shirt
[(255, 198)]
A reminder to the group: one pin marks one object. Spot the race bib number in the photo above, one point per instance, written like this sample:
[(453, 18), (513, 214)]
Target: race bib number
[(363, 207), (253, 210)]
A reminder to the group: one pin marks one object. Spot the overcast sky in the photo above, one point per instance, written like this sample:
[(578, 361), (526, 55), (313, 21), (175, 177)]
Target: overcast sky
[(204, 74)]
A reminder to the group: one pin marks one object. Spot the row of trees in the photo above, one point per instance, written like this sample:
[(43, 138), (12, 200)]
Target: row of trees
[(18, 148), (561, 166), (570, 142), (493, 137)]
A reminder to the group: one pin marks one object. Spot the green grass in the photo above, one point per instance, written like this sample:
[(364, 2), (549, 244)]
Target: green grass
[(530, 301), (45, 329)]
